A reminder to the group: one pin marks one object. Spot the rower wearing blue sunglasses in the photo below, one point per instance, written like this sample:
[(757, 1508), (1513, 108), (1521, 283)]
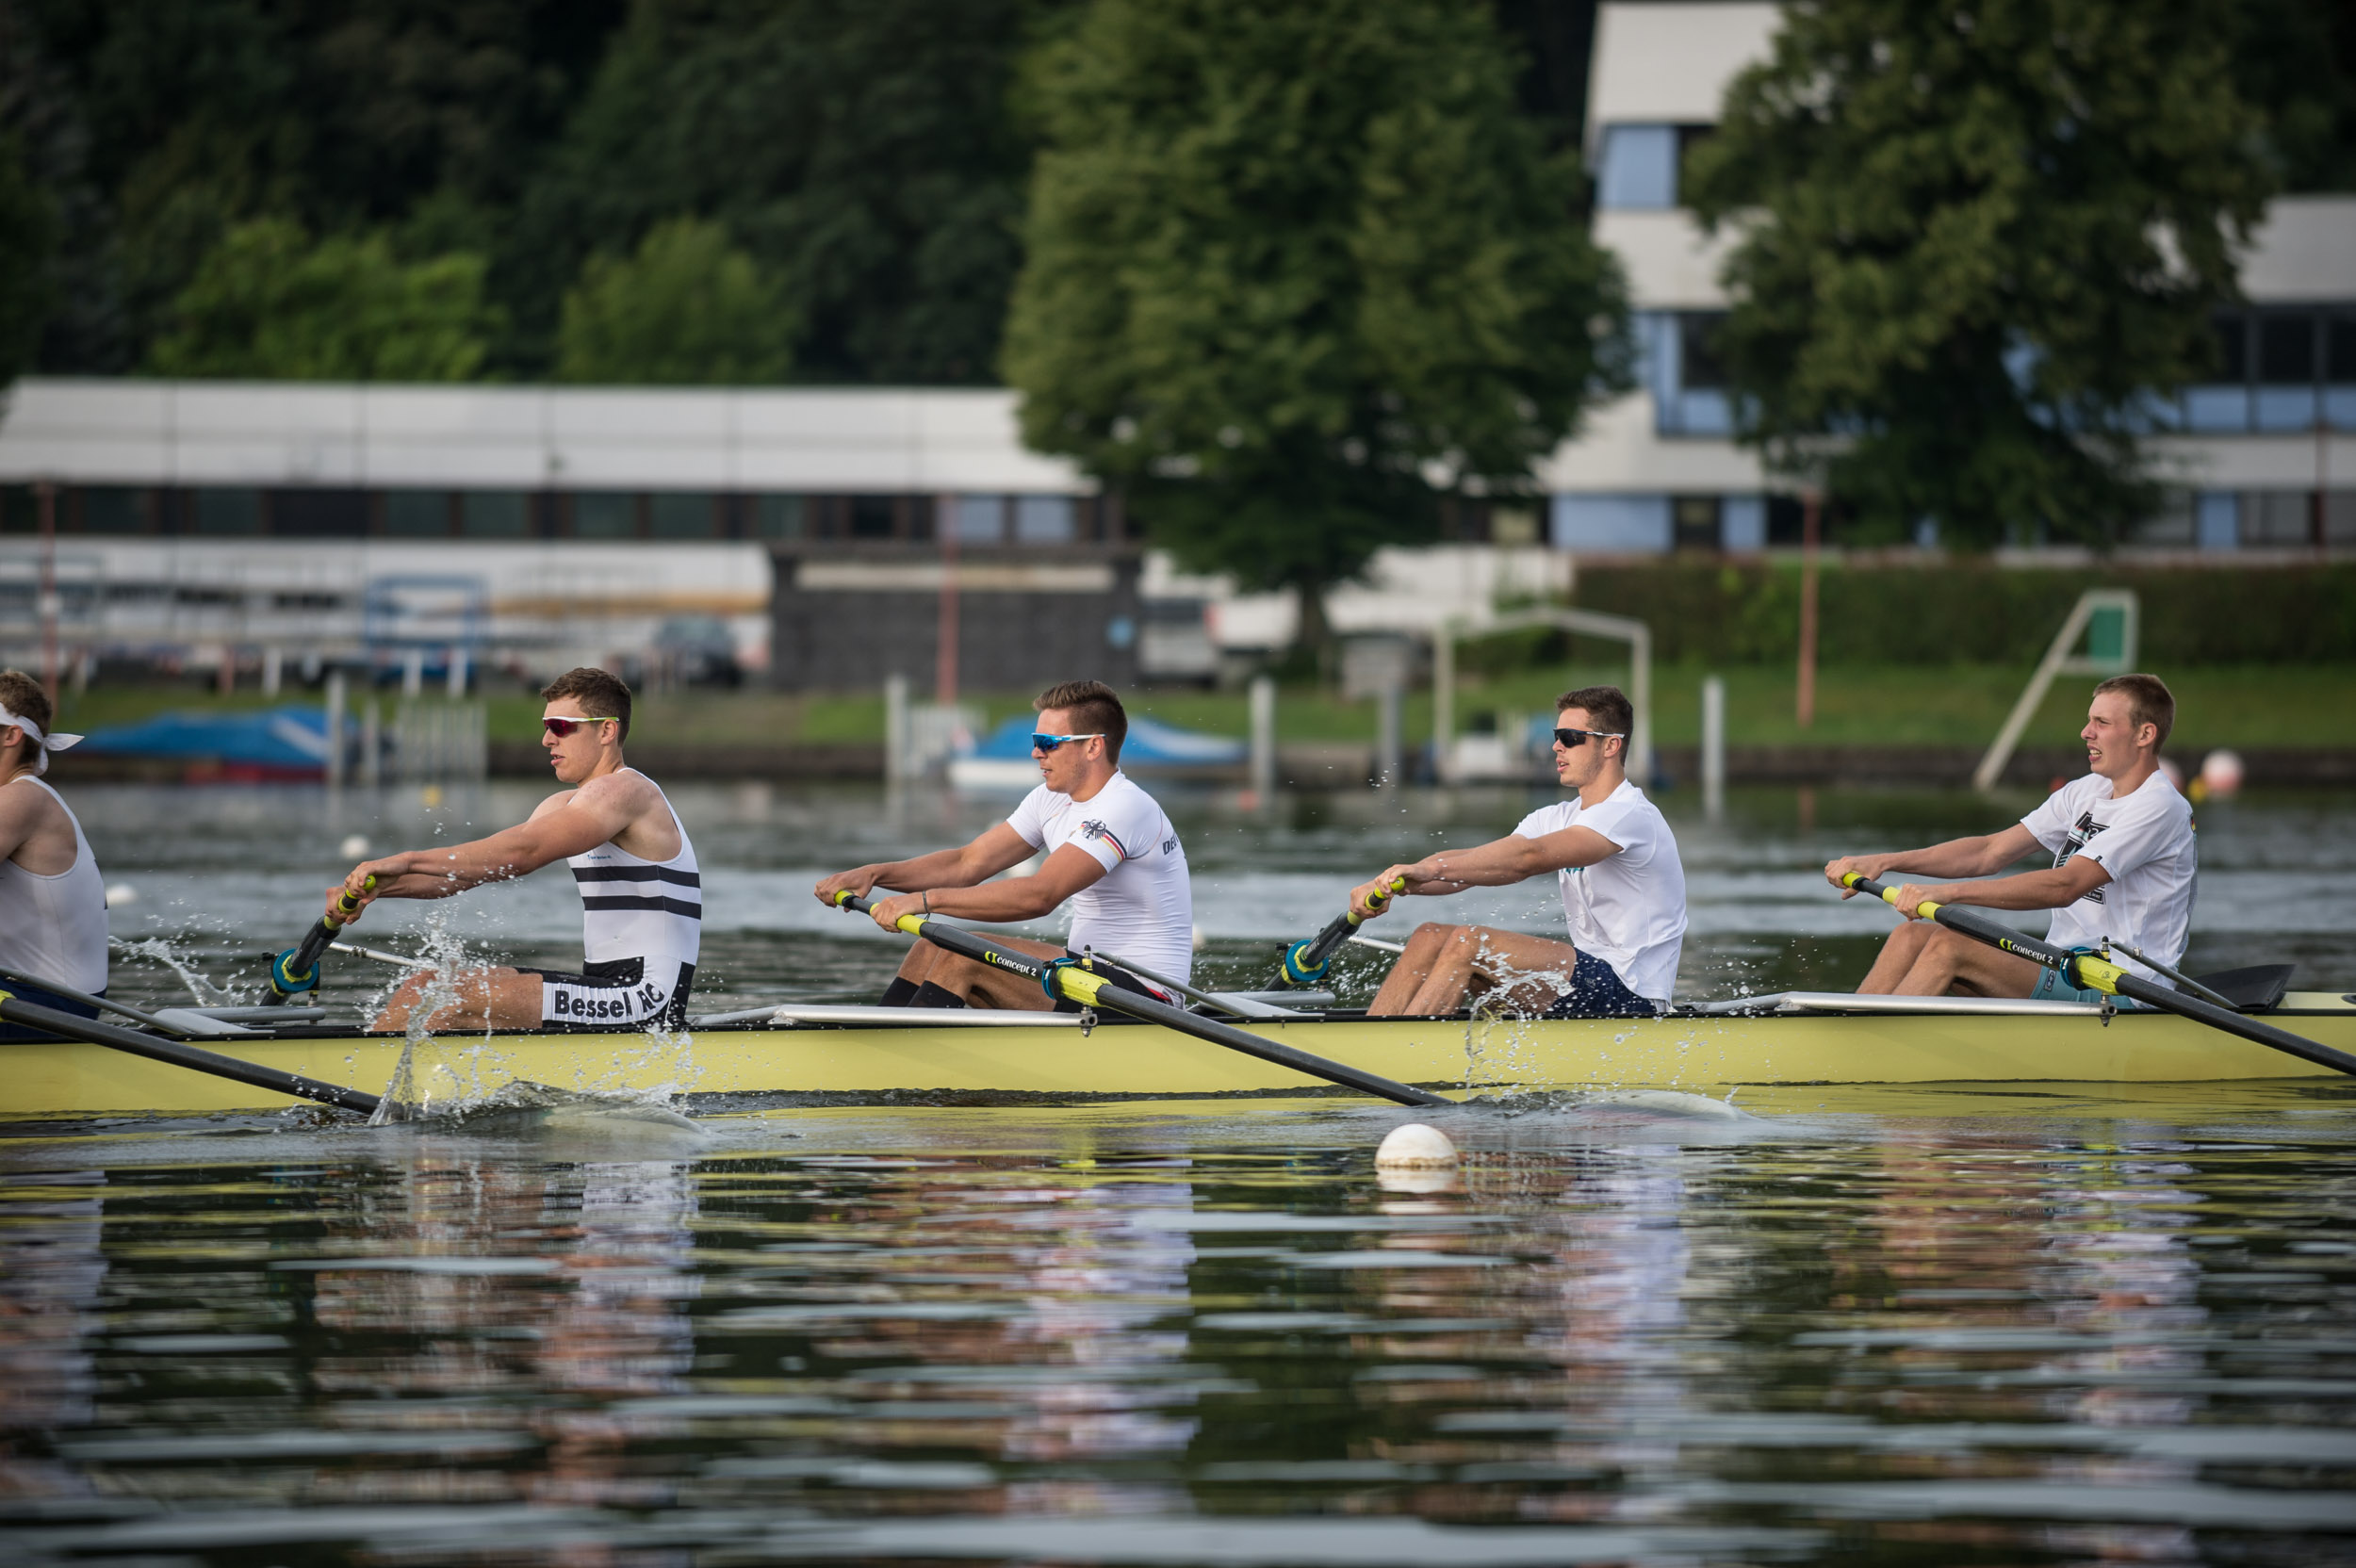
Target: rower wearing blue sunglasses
[(1109, 851)]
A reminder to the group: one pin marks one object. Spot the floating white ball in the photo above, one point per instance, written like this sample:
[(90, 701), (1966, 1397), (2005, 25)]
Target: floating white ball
[(1415, 1147), (2221, 771), (354, 846), (120, 894)]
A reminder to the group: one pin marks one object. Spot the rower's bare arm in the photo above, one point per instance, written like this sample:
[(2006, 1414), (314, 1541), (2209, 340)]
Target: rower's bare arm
[(1499, 863), (20, 818), (1981, 856), (2051, 888), (995, 851), (1065, 872), (564, 824)]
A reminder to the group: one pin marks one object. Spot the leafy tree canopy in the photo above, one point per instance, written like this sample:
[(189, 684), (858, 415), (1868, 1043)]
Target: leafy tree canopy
[(1295, 271), (687, 308), (1973, 240), (270, 303), (28, 234)]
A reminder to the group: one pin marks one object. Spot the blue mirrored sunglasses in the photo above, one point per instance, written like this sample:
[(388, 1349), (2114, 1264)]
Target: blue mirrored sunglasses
[(1049, 743)]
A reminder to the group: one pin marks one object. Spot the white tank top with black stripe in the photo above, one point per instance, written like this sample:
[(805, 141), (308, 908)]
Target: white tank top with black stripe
[(634, 909)]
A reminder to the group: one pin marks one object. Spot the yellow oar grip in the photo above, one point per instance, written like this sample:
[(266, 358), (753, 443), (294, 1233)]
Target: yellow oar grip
[(349, 904), (1890, 895), (1079, 985), (2097, 974), (843, 896), (912, 925)]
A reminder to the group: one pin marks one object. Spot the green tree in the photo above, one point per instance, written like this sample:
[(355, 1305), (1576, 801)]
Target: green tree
[(269, 301), (1296, 272), (1974, 241), (29, 237), (687, 308)]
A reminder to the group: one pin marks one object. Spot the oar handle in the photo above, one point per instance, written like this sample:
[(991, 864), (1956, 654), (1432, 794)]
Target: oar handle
[(1064, 978), (1305, 963), (297, 969), (89, 1031), (2088, 973)]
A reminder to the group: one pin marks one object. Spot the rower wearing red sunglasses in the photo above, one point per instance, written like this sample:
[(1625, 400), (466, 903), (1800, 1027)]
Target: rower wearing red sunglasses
[(640, 893), (1109, 851)]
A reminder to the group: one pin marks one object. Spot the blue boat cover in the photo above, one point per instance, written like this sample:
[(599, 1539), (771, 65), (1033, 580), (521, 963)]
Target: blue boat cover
[(293, 738), (1162, 745)]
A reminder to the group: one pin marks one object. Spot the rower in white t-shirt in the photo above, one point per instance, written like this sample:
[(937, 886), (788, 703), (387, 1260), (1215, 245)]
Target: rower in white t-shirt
[(1623, 894), (1109, 851), (2122, 869)]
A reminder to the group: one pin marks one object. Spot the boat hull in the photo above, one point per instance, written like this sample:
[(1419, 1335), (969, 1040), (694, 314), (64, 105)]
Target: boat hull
[(1688, 1052)]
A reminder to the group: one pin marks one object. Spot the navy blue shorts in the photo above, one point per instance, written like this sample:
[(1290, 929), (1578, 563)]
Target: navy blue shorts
[(1596, 992), (40, 997)]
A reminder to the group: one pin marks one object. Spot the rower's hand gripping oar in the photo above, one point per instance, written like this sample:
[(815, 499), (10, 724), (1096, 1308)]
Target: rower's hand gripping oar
[(1305, 962), (297, 969), (2089, 972), (1064, 978)]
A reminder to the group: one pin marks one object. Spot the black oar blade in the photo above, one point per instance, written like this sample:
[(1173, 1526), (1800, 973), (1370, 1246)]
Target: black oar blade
[(1095, 990), (2100, 975), (91, 1032)]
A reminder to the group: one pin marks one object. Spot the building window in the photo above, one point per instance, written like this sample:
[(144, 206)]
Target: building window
[(1612, 523), (226, 512), (495, 513), (113, 509), (1700, 364), (2278, 517), (980, 519), (1638, 170), (605, 514), (682, 515), (872, 517), (1044, 520), (2286, 349), (309, 513), (777, 517), (2176, 522), (2232, 347), (416, 513), (1695, 523)]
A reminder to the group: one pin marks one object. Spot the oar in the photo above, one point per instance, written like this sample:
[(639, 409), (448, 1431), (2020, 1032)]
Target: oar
[(1063, 977), (178, 1020), (1305, 962), (91, 1032), (2089, 972), (297, 969)]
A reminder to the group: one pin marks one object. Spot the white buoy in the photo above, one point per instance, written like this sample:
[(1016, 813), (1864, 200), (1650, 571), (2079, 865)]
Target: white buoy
[(1200, 941), (120, 894), (1415, 1147), (2220, 771), (354, 846)]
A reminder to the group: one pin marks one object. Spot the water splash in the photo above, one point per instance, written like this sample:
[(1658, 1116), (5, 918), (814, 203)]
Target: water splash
[(202, 992)]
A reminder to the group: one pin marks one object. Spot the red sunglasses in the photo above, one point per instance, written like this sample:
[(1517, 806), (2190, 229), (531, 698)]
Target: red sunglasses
[(562, 728)]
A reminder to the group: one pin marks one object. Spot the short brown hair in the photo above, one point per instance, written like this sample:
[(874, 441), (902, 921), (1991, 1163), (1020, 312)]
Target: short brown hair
[(1607, 709), (21, 694), (600, 693), (1095, 709), (2148, 701)]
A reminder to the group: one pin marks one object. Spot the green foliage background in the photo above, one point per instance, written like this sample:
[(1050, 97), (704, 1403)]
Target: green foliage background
[(687, 308)]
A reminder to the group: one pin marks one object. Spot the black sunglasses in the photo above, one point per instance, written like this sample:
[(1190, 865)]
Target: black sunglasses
[(1571, 739)]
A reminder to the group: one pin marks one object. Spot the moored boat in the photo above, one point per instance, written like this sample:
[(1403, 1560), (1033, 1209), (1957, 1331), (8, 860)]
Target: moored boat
[(854, 1052)]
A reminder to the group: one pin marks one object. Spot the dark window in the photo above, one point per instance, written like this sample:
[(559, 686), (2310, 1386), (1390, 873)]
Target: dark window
[(605, 514), (226, 511), (2232, 348), (2286, 349), (2339, 348), (309, 513), (495, 513), (416, 513), (1701, 367), (112, 509), (775, 516), (871, 517), (682, 514), (1689, 137), (1696, 522)]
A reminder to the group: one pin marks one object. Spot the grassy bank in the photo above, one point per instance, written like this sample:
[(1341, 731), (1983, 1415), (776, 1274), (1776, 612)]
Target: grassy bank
[(2246, 706)]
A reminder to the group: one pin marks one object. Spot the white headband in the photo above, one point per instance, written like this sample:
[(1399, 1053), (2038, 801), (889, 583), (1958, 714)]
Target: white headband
[(43, 745)]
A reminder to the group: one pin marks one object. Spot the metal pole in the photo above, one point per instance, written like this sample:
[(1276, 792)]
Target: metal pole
[(1388, 744), (273, 670), (47, 492), (457, 685), (945, 665), (1713, 747), (1812, 529), (371, 747), (1262, 736), (1443, 700), (895, 728), (1640, 697), (334, 728)]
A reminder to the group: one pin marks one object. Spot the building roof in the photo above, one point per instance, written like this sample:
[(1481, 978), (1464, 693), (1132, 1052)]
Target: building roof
[(1669, 65)]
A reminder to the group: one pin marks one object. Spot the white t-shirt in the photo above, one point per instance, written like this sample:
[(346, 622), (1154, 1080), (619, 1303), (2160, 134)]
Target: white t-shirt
[(2145, 841), (1627, 909), (1143, 907)]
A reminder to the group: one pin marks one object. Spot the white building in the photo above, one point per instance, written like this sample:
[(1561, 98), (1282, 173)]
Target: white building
[(1656, 470)]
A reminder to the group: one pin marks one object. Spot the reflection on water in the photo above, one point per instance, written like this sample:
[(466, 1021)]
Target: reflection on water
[(230, 874), (1869, 1327)]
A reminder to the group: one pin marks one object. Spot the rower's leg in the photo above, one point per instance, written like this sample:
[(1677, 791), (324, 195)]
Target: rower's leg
[(1531, 972), (1424, 949), (483, 998), (1898, 955), (987, 985), (1952, 964)]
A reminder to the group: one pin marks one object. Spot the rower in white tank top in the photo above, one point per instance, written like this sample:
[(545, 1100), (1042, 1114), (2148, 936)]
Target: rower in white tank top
[(54, 928), (641, 933)]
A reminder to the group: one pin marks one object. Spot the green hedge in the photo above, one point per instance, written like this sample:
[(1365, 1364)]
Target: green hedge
[(1976, 612)]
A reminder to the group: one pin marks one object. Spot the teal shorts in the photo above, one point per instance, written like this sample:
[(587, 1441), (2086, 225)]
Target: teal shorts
[(2051, 987)]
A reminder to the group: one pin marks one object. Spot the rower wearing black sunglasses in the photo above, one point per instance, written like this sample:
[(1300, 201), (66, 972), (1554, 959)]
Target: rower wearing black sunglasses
[(641, 892), (1623, 893), (1109, 851)]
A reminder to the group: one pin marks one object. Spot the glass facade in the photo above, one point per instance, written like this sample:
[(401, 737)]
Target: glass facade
[(2279, 369)]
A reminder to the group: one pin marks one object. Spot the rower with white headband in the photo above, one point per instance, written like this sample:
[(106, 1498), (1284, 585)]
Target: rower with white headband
[(52, 902)]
